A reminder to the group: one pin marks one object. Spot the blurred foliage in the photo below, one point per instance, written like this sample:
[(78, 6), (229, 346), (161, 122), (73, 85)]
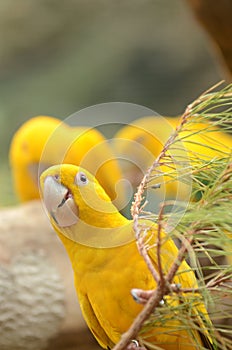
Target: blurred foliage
[(57, 57), (215, 18)]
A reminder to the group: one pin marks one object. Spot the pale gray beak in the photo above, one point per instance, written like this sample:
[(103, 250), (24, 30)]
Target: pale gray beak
[(59, 202)]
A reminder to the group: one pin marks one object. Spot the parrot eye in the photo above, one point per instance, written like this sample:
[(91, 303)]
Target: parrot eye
[(81, 179)]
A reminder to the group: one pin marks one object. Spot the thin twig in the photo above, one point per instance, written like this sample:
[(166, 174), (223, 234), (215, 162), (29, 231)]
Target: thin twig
[(159, 244), (180, 257), (143, 251)]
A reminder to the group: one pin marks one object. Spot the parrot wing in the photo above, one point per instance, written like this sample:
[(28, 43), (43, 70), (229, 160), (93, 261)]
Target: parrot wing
[(93, 322)]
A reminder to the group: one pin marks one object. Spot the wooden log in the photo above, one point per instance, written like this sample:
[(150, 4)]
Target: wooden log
[(38, 303)]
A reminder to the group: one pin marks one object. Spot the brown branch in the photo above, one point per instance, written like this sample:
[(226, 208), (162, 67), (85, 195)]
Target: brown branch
[(143, 251), (180, 257), (218, 280), (159, 229)]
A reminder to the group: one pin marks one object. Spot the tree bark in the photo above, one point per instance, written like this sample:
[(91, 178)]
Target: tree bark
[(38, 303)]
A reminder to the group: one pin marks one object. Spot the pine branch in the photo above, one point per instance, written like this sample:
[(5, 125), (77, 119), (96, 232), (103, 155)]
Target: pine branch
[(215, 187)]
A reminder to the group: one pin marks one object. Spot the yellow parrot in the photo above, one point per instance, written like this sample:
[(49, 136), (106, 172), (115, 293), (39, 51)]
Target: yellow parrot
[(107, 265), (44, 141), (140, 142)]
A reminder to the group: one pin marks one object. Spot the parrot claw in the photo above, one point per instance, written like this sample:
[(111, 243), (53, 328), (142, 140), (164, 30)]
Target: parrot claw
[(141, 296), (134, 345)]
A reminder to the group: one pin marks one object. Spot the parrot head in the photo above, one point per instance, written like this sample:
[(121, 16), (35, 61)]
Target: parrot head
[(69, 192), (80, 209)]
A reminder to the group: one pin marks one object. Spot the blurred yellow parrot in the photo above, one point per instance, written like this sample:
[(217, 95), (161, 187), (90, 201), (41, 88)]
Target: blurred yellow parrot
[(140, 143), (107, 265), (44, 141)]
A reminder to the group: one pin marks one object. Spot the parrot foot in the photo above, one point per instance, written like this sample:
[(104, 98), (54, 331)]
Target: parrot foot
[(141, 296)]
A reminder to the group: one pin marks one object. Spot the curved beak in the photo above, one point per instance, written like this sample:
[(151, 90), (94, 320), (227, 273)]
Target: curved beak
[(59, 202)]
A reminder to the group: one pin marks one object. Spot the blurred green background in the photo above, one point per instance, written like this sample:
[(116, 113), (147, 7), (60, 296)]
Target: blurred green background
[(57, 57)]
